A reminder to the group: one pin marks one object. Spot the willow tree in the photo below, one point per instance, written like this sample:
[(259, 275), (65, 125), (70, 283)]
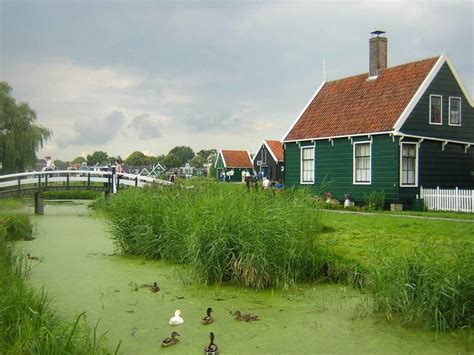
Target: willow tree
[(20, 137)]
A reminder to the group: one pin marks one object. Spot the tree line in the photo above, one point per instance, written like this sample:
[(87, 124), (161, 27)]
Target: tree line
[(176, 157)]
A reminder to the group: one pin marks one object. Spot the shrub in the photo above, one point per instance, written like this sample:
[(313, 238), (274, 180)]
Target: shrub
[(17, 226), (375, 200)]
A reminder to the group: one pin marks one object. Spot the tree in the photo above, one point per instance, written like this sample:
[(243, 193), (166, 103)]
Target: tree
[(198, 161), (172, 161), (136, 158), (183, 153), (207, 152), (78, 160), (98, 157), (20, 137)]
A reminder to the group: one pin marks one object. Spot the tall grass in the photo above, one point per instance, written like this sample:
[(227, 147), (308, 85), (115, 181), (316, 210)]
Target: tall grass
[(422, 288), (221, 231)]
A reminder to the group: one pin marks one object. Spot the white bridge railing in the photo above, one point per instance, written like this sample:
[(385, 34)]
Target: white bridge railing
[(43, 179), (455, 200)]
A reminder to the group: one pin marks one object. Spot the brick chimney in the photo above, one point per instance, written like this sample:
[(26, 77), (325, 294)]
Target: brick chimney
[(378, 53)]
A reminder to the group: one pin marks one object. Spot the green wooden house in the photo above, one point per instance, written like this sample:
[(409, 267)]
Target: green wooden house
[(234, 162), (394, 129)]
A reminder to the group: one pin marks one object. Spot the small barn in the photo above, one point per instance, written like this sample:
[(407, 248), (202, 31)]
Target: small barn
[(269, 161), (234, 162)]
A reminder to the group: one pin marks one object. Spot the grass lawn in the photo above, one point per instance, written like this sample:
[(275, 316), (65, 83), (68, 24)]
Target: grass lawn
[(365, 238)]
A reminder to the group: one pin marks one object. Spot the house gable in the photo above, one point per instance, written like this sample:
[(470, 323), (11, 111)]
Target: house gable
[(445, 83)]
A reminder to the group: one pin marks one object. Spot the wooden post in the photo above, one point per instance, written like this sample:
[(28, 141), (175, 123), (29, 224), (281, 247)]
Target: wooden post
[(19, 184), (88, 180), (39, 207), (67, 181), (136, 181)]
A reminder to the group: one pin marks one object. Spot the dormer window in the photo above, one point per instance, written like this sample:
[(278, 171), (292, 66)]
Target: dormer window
[(454, 111), (436, 109)]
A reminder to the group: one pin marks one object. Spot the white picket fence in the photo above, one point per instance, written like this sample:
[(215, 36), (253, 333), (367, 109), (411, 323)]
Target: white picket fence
[(454, 200)]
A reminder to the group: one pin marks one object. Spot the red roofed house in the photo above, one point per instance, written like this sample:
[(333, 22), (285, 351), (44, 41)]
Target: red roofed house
[(392, 129), (269, 160), (233, 161)]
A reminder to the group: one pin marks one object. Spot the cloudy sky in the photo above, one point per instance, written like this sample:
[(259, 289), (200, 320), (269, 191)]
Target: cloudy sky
[(121, 76)]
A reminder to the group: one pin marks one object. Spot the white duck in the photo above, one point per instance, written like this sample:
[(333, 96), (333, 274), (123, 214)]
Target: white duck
[(176, 320)]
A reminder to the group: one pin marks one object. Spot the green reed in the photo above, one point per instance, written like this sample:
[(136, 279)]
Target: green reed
[(224, 233)]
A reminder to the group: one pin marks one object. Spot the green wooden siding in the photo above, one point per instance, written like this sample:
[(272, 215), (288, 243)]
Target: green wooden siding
[(334, 170), (418, 122)]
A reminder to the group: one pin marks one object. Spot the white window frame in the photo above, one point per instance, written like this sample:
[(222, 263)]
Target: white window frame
[(416, 163), (449, 111), (441, 113), (313, 147), (354, 182)]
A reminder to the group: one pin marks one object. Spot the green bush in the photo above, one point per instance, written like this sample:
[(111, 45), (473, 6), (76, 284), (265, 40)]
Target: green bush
[(375, 200), (17, 226), (221, 231)]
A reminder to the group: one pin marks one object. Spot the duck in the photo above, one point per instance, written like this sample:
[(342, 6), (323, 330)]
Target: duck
[(176, 319), (208, 319), (154, 287), (30, 257), (246, 317), (170, 341), (211, 349)]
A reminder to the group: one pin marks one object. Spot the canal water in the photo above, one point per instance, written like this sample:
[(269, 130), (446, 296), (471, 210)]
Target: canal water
[(81, 272)]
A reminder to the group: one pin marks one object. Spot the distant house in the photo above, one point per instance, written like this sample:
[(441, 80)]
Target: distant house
[(235, 161), (157, 170), (392, 129), (269, 160)]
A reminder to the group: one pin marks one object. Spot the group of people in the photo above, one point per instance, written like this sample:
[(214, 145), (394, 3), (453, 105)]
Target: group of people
[(227, 176), (267, 184)]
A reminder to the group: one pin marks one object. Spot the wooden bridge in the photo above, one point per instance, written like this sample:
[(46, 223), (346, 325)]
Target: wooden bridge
[(38, 181)]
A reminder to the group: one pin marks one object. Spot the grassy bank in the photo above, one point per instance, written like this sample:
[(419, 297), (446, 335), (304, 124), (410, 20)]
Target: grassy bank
[(419, 271), (27, 323), (221, 231)]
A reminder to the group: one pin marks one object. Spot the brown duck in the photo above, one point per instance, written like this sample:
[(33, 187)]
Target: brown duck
[(208, 319), (211, 349), (31, 257), (245, 317), (170, 341)]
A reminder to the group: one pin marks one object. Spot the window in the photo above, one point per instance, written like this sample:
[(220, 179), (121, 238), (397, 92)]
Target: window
[(307, 165), (436, 109), (362, 163), (409, 164), (264, 155), (454, 111)]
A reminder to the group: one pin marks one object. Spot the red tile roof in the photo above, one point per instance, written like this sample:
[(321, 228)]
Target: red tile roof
[(237, 159), (356, 105), (277, 148)]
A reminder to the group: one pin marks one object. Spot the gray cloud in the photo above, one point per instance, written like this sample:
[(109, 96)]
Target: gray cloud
[(208, 74), (145, 126), (95, 132)]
